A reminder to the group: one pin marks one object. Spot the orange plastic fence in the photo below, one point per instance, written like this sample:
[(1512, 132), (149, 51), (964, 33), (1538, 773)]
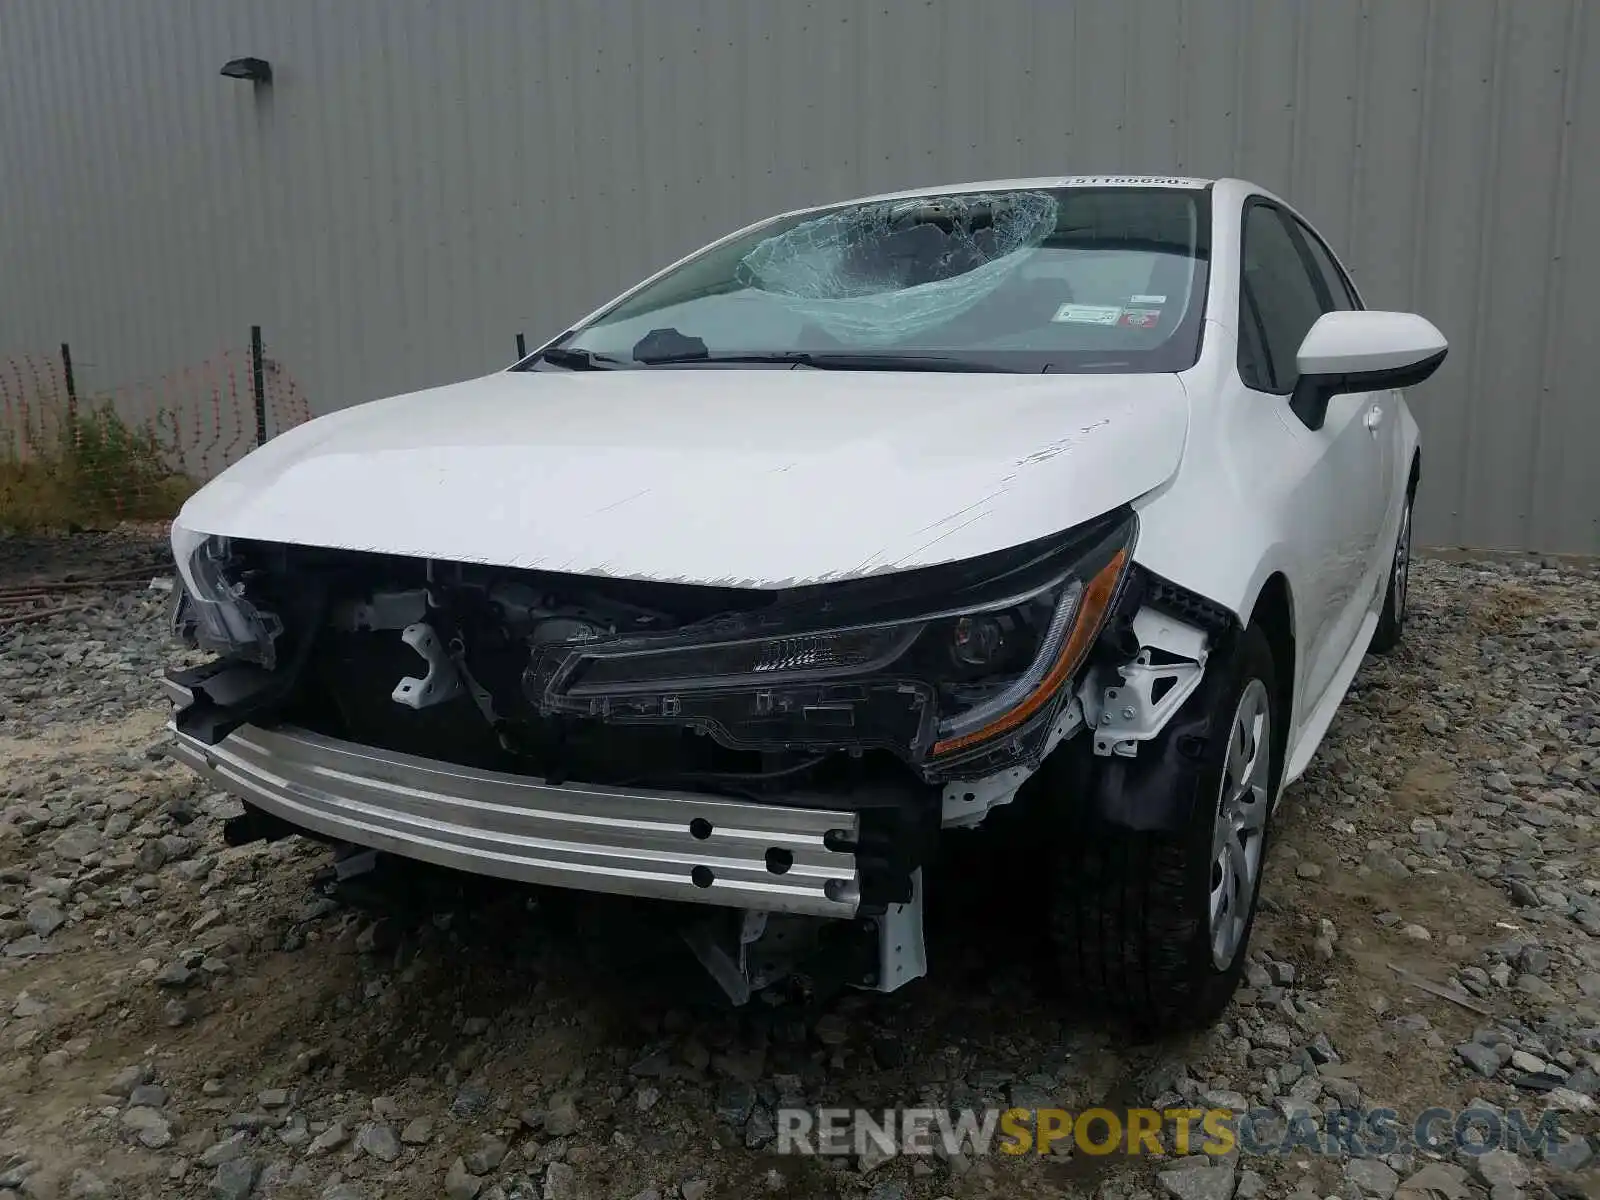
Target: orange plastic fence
[(126, 443)]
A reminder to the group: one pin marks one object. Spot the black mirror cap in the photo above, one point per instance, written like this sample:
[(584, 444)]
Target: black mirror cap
[(256, 70), (1312, 392)]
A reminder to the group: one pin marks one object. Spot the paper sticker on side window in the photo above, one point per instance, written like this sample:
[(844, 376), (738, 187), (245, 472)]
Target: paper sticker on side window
[(1088, 314)]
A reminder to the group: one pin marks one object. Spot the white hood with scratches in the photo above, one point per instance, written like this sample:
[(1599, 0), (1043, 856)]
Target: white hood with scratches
[(763, 478)]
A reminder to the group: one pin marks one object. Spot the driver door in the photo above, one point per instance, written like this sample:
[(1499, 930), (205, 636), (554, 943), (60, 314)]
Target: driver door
[(1338, 504)]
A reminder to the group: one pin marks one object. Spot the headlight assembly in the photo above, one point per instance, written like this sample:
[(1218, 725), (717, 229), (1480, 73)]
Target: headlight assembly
[(937, 666), (213, 611)]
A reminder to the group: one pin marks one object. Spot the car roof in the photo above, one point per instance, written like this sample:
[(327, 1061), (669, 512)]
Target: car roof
[(1042, 181)]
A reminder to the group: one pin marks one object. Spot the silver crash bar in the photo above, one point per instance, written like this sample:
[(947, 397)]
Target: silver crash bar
[(662, 845)]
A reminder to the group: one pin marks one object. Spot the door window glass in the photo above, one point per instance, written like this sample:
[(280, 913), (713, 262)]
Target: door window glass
[(1287, 301), (1344, 297)]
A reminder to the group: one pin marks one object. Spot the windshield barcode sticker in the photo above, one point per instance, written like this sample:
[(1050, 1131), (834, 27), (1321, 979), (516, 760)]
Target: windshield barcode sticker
[(1089, 314)]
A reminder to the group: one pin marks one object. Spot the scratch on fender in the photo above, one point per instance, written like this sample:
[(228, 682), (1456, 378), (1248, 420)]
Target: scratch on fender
[(973, 519), (619, 503), (1046, 453)]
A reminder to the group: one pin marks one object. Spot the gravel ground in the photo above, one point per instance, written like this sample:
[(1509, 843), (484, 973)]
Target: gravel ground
[(182, 1019)]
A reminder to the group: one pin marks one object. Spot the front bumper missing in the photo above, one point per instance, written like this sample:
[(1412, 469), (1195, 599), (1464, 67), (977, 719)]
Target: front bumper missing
[(660, 845)]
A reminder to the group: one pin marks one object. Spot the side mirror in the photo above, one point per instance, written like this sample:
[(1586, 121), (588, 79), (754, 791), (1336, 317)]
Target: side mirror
[(1363, 352)]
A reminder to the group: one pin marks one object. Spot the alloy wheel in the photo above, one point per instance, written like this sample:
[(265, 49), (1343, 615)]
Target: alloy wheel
[(1401, 574), (1241, 819)]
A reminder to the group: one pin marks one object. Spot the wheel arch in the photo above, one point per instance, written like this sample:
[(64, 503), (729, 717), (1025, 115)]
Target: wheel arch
[(1273, 611)]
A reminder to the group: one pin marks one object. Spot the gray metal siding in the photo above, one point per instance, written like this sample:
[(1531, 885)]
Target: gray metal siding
[(425, 179)]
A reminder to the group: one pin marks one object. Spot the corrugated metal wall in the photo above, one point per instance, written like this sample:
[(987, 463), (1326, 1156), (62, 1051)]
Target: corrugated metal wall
[(424, 179)]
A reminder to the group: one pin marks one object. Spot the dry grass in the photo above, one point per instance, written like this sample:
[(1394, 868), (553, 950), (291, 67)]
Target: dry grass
[(84, 470)]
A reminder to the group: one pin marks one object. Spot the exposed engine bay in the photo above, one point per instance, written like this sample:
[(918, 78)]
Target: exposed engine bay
[(455, 662), (913, 702)]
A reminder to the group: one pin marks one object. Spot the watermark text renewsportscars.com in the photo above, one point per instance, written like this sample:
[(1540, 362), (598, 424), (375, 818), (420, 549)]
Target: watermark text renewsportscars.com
[(1160, 1132)]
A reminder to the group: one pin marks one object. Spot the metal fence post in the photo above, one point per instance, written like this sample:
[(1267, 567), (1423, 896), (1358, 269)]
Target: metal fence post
[(72, 391), (258, 385)]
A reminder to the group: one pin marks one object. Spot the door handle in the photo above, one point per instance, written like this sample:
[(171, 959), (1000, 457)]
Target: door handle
[(1374, 418)]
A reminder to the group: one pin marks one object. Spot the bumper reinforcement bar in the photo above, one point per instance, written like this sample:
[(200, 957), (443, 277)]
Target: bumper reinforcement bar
[(657, 844)]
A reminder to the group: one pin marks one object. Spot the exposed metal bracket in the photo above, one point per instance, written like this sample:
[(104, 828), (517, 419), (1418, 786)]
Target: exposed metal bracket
[(1177, 638), (732, 975), (1139, 707), (1130, 712), (441, 683), (901, 954)]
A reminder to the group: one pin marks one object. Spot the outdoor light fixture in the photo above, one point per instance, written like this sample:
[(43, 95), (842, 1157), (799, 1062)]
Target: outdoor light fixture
[(256, 70)]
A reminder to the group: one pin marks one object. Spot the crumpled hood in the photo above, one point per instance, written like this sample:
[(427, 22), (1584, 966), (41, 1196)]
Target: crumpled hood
[(765, 478)]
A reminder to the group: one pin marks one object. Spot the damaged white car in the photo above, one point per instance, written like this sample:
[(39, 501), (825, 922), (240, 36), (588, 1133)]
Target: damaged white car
[(1074, 499)]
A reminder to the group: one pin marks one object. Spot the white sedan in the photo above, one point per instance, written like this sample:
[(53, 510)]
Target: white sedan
[(1066, 503)]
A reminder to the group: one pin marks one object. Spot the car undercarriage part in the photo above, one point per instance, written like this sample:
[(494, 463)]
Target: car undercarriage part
[(746, 950), (255, 825)]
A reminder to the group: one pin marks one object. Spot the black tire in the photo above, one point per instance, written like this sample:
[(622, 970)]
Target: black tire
[(1130, 914), (1392, 620)]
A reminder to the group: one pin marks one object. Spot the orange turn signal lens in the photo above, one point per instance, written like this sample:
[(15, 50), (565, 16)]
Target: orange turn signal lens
[(1086, 623)]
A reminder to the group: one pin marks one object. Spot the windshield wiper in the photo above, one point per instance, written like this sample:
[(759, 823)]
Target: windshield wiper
[(832, 361), (577, 360)]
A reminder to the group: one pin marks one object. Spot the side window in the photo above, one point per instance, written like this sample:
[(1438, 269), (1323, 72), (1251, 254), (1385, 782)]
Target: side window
[(1344, 297), (1254, 369), (1287, 301)]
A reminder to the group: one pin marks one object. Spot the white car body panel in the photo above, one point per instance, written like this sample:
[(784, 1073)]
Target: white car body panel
[(747, 478), (778, 478), (1259, 494)]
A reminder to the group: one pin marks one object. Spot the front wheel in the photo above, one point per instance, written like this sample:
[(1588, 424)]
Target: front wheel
[(1155, 925), (1392, 620)]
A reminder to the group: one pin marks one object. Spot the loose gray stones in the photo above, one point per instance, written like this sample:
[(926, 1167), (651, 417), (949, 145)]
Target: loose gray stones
[(45, 918), (1373, 1177), (149, 1126), (234, 1179), (561, 1118), (1199, 1181), (560, 1182), (379, 1141), (460, 1184), (1481, 1059), (1501, 1168), (77, 843)]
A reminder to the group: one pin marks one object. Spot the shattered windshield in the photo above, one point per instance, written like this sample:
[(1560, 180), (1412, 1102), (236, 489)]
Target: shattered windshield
[(1047, 279)]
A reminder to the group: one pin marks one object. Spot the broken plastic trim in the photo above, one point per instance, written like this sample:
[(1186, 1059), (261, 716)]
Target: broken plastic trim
[(226, 693), (217, 615)]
